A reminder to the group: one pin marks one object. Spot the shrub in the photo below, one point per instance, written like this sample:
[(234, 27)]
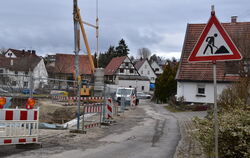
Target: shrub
[(234, 134)]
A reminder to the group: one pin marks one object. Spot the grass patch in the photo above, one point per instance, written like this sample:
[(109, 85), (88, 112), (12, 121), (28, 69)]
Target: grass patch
[(173, 109)]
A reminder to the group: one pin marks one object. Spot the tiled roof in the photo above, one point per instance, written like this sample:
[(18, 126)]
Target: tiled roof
[(25, 61), (239, 33), (65, 63), (139, 63), (113, 65)]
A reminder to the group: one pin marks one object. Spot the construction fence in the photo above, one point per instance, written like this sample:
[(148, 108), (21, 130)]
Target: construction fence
[(58, 102)]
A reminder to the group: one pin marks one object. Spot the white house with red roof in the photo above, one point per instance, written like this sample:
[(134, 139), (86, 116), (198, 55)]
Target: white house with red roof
[(122, 72), (195, 80)]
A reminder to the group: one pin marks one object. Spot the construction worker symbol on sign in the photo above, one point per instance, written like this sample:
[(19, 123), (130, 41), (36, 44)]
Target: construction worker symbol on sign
[(210, 44)]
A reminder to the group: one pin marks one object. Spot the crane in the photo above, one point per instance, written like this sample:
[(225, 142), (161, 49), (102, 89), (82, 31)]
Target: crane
[(78, 21)]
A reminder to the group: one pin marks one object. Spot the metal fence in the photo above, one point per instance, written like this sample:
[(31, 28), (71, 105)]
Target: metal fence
[(18, 87)]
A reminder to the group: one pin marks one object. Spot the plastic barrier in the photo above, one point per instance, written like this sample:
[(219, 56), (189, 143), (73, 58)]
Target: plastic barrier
[(109, 108), (62, 98), (133, 101), (18, 126), (94, 120)]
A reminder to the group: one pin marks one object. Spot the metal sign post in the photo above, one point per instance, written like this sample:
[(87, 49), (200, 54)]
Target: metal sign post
[(77, 49), (214, 44), (216, 125)]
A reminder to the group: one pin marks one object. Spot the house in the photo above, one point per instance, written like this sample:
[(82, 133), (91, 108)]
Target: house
[(157, 69), (195, 80), (122, 72), (16, 66), (145, 69), (62, 66)]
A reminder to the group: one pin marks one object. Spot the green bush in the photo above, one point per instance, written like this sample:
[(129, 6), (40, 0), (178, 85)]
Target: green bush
[(234, 134)]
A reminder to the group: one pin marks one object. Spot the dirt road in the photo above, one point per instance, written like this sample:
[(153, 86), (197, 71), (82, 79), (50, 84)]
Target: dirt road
[(147, 132)]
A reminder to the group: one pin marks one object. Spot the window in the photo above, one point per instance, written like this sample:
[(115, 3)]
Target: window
[(16, 72), (1, 72), (145, 66), (142, 88), (26, 72), (200, 90), (152, 78), (121, 70), (126, 64), (25, 84), (131, 71), (156, 69), (142, 72), (148, 72), (13, 83)]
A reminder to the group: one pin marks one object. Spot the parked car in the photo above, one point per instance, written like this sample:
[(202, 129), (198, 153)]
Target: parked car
[(142, 95), (127, 93)]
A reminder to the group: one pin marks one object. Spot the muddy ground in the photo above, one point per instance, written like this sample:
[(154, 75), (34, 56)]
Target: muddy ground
[(56, 141)]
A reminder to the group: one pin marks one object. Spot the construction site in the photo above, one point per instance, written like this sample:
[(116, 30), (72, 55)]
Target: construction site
[(167, 89)]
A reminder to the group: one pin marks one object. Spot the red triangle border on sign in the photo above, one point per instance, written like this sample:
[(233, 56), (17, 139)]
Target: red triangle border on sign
[(236, 54)]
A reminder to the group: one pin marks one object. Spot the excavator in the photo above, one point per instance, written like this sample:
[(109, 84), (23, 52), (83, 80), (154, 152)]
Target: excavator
[(79, 27)]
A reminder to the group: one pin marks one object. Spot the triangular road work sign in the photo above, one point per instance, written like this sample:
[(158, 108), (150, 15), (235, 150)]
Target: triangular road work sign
[(214, 44)]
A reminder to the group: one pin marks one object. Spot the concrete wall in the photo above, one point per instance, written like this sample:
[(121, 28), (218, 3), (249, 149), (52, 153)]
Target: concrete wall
[(135, 84), (189, 91)]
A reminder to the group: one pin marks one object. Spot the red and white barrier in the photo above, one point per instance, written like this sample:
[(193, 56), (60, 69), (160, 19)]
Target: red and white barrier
[(93, 109), (92, 125), (18, 126), (109, 108), (93, 121), (62, 98), (133, 101)]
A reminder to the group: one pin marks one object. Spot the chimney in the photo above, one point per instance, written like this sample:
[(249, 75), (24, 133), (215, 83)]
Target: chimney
[(233, 19), (33, 52)]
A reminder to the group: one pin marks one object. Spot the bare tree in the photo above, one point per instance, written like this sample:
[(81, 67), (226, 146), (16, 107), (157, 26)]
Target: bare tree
[(2, 50), (144, 53)]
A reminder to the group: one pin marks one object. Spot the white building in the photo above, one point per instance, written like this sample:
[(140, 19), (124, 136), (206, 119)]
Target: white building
[(157, 69), (145, 69), (195, 80), (20, 65)]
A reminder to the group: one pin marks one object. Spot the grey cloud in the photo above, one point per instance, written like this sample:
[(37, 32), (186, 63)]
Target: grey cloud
[(46, 25)]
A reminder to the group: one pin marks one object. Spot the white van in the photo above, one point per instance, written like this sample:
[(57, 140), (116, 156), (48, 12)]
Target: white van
[(127, 93)]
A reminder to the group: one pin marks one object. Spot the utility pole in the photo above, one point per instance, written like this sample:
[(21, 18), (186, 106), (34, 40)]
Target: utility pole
[(76, 51)]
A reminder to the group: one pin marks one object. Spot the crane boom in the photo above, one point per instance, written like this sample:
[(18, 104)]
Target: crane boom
[(85, 41)]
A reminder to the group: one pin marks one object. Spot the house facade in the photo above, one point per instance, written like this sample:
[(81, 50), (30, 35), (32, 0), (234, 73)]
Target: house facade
[(119, 66), (16, 67), (195, 80), (145, 69), (157, 69), (62, 66), (121, 72)]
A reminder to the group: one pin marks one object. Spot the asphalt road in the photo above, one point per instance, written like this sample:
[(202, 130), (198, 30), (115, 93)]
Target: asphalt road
[(155, 137), (150, 131)]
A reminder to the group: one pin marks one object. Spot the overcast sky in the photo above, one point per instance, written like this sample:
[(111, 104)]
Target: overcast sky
[(160, 25)]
